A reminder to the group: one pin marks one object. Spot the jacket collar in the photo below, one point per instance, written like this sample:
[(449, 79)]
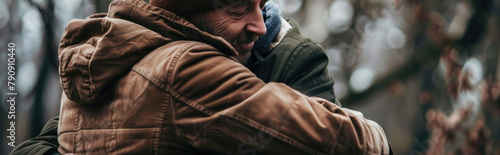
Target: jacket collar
[(165, 23), (288, 27)]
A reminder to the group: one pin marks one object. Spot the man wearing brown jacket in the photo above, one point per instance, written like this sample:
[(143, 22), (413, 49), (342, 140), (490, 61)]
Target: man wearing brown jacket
[(144, 80)]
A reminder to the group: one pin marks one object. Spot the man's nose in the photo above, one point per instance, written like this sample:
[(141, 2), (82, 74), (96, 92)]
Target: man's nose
[(256, 24)]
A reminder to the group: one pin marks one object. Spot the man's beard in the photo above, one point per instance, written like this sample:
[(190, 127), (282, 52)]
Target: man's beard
[(243, 37)]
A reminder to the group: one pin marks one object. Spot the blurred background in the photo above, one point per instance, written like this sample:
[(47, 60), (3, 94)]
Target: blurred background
[(427, 71)]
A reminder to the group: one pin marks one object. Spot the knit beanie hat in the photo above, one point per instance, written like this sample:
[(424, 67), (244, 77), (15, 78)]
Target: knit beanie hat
[(184, 7)]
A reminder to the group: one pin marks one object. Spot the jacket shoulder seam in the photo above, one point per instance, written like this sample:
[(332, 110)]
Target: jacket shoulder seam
[(170, 80), (165, 84), (176, 95)]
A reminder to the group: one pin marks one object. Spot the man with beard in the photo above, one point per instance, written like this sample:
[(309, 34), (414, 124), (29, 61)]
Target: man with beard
[(149, 81)]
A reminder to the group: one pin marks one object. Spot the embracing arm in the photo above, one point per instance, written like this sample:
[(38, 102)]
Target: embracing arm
[(298, 62), (220, 106), (44, 144)]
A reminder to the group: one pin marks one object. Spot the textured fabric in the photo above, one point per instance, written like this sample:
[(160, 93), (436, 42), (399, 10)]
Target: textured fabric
[(285, 26), (184, 7), (45, 143), (141, 80), (298, 62), (272, 19)]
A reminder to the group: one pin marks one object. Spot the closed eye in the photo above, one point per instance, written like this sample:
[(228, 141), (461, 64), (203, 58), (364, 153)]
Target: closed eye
[(237, 12)]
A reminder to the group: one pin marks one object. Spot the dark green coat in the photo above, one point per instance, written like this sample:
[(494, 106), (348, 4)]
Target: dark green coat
[(296, 61)]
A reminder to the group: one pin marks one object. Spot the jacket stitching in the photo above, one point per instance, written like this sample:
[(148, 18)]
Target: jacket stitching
[(178, 130), (165, 86), (161, 120), (172, 64), (77, 133), (179, 53)]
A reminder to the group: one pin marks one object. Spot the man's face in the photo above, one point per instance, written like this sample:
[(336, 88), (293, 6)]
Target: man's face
[(240, 23)]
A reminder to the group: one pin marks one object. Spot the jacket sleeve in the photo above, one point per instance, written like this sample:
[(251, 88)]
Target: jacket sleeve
[(219, 106), (44, 144)]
